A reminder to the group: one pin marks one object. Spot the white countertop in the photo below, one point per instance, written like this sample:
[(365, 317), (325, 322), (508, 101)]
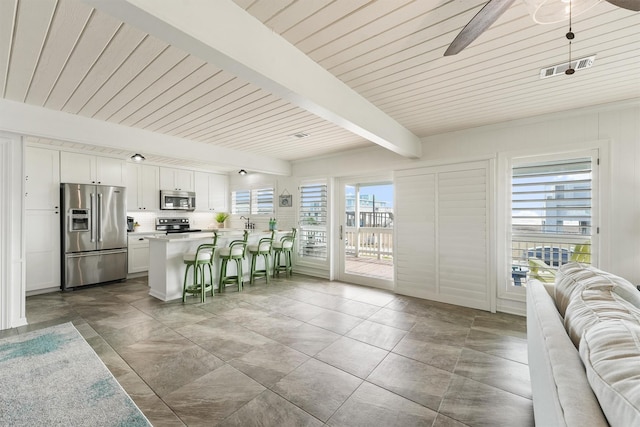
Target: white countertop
[(208, 234)]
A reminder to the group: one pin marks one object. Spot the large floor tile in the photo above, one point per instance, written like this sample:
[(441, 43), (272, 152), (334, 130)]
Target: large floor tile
[(414, 380), (222, 338), (498, 345), (425, 349), (477, 404), (307, 338), (385, 337), (334, 321), (169, 362), (354, 357), (270, 410), (213, 397), (397, 319), (269, 363), (371, 405), (496, 371), (317, 388)]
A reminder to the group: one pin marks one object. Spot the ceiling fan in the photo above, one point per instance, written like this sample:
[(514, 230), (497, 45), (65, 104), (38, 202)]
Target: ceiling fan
[(495, 8)]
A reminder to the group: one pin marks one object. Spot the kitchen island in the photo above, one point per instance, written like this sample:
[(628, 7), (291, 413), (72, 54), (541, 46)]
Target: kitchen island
[(166, 267)]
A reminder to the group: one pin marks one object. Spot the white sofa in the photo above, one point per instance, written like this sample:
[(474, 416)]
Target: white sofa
[(583, 334)]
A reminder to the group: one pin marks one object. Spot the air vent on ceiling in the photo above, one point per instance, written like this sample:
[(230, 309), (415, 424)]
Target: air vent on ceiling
[(578, 64), (300, 135)]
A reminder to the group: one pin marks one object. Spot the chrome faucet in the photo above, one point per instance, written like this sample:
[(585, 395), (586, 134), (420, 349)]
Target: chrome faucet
[(246, 226)]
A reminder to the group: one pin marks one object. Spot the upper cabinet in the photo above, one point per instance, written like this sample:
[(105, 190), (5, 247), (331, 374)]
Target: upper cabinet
[(42, 178), (211, 192), (176, 179), (143, 191), (87, 169)]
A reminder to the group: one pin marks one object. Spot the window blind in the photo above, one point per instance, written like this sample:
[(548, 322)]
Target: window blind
[(262, 203), (551, 216), (312, 219)]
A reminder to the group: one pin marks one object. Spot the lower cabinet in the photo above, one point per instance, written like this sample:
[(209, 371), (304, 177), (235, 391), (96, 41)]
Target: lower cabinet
[(138, 254), (42, 250)]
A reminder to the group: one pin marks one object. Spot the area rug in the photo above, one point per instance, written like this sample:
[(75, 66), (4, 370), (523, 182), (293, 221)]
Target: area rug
[(52, 377)]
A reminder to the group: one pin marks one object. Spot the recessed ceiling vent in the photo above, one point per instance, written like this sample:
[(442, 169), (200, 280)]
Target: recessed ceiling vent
[(578, 64), (300, 135)]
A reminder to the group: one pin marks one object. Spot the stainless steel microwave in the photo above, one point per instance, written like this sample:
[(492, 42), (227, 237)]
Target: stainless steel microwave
[(177, 200)]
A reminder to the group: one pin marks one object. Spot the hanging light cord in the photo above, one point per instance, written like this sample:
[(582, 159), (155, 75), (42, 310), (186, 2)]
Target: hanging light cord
[(570, 36)]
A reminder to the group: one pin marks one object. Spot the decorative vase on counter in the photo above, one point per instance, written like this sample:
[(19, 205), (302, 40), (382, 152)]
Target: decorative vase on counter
[(272, 224)]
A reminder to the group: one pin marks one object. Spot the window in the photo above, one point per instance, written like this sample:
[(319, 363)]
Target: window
[(551, 217), (241, 202), (262, 201), (313, 221), (254, 202)]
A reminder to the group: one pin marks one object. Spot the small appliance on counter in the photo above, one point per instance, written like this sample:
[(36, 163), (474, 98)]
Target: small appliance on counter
[(174, 225), (130, 223), (94, 236)]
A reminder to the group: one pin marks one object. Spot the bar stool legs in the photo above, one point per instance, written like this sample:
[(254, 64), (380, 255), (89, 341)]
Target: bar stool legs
[(284, 248), (262, 248), (234, 252), (199, 261)]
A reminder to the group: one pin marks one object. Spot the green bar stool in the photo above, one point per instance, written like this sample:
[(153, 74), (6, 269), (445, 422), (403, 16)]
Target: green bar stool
[(284, 248), (200, 260), (234, 252), (262, 248)]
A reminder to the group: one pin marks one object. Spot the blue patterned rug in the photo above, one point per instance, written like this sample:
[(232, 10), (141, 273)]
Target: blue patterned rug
[(53, 377)]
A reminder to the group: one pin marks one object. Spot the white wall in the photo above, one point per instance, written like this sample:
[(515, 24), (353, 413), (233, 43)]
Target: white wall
[(617, 125)]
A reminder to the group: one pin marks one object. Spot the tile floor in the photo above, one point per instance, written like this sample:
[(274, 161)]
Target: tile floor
[(302, 352)]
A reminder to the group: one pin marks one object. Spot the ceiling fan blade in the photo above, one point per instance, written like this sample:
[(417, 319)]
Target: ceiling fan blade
[(627, 4), (479, 23)]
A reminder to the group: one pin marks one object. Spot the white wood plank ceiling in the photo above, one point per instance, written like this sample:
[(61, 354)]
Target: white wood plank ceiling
[(64, 55)]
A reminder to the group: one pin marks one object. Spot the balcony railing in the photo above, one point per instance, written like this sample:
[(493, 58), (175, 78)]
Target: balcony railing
[(369, 242)]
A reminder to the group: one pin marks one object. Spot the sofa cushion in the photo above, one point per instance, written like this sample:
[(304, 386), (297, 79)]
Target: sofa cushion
[(573, 277), (595, 305), (561, 393), (610, 352)]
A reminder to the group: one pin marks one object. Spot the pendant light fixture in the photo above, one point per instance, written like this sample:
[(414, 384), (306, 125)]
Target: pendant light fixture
[(570, 36), (242, 172)]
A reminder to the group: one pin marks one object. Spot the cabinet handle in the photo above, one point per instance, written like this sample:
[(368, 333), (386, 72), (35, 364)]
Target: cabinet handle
[(141, 238)]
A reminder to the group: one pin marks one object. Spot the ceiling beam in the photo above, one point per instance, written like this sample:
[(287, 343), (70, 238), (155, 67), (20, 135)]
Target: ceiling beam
[(223, 34), (29, 120)]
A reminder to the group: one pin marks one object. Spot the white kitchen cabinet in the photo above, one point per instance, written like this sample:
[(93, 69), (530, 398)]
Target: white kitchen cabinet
[(211, 192), (143, 191), (42, 219), (88, 169), (176, 179), (42, 178), (42, 249), (138, 253)]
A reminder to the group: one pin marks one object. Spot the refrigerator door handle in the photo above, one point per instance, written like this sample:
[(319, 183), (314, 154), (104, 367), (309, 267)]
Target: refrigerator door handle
[(92, 217), (99, 217)]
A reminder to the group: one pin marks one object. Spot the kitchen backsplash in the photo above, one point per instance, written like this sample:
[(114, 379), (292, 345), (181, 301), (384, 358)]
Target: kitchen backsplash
[(147, 220)]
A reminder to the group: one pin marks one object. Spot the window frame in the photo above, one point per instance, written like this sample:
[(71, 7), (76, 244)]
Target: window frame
[(597, 149), (254, 199)]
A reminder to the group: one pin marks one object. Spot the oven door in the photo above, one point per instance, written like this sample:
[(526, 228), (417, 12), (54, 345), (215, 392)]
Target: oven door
[(177, 200)]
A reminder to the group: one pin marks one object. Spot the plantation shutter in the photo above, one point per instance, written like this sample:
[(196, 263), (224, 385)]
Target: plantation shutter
[(313, 221), (551, 212), (241, 202), (262, 201), (442, 234)]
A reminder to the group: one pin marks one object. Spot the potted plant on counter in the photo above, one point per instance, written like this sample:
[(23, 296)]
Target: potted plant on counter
[(220, 218)]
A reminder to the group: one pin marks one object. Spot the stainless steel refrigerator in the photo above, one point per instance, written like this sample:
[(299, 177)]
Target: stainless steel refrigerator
[(94, 234)]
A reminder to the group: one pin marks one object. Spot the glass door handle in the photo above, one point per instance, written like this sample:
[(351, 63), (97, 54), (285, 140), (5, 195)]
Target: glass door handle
[(340, 232)]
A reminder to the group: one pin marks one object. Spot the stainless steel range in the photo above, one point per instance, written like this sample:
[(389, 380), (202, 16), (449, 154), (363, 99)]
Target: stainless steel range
[(174, 225)]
